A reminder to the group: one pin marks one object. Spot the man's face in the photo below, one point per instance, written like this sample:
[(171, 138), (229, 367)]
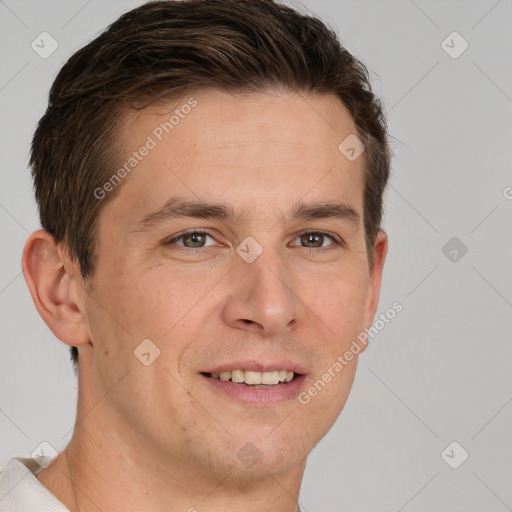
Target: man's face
[(211, 302)]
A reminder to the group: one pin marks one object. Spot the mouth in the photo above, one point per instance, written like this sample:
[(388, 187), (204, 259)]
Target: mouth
[(256, 388), (254, 379)]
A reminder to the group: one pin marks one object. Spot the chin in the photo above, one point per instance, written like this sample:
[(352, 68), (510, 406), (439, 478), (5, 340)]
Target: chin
[(269, 453)]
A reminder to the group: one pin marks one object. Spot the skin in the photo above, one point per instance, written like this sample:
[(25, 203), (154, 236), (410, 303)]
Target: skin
[(160, 437)]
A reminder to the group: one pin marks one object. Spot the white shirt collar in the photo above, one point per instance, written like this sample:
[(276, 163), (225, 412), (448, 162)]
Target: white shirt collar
[(21, 491)]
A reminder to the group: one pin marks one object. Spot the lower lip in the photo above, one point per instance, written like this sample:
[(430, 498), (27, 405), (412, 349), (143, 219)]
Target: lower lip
[(258, 396)]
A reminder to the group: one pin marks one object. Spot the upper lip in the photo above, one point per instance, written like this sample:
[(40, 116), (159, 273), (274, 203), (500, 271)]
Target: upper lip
[(258, 366)]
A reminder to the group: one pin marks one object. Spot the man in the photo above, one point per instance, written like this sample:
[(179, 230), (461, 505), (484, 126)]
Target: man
[(209, 176)]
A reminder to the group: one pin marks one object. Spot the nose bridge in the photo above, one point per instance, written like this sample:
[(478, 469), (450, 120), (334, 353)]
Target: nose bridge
[(272, 287), (263, 293)]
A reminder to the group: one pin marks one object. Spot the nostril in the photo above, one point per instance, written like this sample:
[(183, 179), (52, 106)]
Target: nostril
[(252, 323)]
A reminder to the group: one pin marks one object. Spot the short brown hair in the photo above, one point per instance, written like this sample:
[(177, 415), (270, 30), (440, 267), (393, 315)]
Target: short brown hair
[(162, 50)]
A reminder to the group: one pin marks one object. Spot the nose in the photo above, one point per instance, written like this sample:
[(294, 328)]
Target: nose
[(263, 298)]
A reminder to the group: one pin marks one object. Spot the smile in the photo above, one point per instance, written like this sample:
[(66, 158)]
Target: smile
[(257, 388), (254, 378)]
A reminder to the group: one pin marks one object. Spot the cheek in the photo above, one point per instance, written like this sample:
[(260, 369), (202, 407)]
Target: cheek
[(157, 306), (337, 300), (145, 306)]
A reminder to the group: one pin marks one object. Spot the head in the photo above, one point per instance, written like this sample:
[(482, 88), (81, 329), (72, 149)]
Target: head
[(228, 118)]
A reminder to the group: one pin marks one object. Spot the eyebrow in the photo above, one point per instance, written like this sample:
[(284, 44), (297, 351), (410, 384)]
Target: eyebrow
[(179, 208)]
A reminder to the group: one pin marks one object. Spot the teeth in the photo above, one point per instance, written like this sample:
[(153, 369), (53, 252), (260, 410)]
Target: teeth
[(271, 378), (252, 377), (237, 376), (255, 378)]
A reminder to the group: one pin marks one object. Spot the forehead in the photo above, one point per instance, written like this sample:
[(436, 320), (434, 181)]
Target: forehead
[(275, 148)]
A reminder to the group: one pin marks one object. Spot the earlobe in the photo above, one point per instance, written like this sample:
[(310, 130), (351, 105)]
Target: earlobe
[(44, 266)]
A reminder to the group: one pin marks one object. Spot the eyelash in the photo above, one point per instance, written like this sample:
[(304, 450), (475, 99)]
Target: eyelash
[(209, 233)]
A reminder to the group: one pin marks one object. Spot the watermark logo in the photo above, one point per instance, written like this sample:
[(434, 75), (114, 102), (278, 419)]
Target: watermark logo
[(44, 454), (454, 455), (45, 253), (454, 45), (44, 45), (146, 352), (249, 249), (454, 249), (351, 147), (249, 455)]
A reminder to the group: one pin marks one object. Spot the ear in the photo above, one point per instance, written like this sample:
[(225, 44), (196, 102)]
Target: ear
[(57, 288), (380, 250)]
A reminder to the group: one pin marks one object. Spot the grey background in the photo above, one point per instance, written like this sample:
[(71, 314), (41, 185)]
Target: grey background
[(441, 370)]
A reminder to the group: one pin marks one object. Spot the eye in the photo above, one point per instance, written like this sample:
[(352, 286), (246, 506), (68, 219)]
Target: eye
[(316, 239), (195, 239), (192, 239)]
